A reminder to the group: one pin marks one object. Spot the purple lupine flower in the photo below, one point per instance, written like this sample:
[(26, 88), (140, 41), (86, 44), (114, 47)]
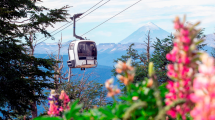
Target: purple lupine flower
[(49, 98), (56, 103)]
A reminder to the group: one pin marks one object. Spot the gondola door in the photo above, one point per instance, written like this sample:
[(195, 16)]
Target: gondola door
[(71, 62)]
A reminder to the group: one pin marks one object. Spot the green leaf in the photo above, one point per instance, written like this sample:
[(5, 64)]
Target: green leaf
[(73, 110), (47, 118), (107, 113), (131, 109), (124, 98)]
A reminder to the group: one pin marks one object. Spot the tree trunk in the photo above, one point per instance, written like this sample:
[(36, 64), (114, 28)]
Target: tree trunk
[(33, 104), (34, 109), (69, 74), (147, 44)]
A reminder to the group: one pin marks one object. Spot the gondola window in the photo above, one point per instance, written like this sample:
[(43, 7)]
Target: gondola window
[(86, 49)]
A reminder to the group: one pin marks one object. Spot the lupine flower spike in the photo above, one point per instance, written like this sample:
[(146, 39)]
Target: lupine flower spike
[(182, 70), (53, 102), (204, 90), (53, 110), (65, 98)]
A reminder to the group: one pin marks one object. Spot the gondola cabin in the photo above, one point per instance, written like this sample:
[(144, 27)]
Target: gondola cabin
[(82, 54)]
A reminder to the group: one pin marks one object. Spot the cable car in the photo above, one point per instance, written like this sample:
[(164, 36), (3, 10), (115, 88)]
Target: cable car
[(82, 53)]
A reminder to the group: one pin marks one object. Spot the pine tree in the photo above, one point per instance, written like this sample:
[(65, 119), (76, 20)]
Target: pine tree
[(201, 35), (20, 74), (162, 47)]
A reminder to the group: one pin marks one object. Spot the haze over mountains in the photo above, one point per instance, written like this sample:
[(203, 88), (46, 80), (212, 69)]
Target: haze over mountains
[(137, 37), (109, 51)]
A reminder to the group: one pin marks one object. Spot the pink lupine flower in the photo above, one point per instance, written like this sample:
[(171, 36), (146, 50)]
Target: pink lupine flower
[(184, 32), (168, 56), (172, 113), (181, 71), (53, 102), (185, 39), (66, 99), (177, 24), (63, 96), (135, 98), (61, 108), (53, 111), (204, 90), (186, 48)]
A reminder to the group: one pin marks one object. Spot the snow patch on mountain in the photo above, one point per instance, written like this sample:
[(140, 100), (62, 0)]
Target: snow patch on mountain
[(140, 35), (113, 50), (150, 26)]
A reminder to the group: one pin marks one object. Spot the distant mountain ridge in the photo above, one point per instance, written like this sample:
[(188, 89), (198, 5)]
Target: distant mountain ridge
[(140, 35), (109, 51), (137, 37), (101, 48)]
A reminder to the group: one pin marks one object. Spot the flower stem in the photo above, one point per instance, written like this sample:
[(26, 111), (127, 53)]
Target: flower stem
[(114, 100), (161, 114)]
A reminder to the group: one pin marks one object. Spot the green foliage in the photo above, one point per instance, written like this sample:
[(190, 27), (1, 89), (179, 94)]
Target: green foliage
[(89, 92), (20, 78), (48, 118), (162, 47), (201, 35), (131, 53), (21, 74), (147, 107)]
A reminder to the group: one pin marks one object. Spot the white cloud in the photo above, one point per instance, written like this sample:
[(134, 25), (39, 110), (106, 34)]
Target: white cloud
[(169, 3), (103, 33), (67, 37), (58, 26), (142, 10), (160, 12)]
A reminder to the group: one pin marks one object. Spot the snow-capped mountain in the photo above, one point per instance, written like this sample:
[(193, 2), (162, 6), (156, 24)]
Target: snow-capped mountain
[(140, 35)]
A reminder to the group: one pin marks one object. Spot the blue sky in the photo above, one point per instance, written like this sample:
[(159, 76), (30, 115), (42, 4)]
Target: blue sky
[(160, 12)]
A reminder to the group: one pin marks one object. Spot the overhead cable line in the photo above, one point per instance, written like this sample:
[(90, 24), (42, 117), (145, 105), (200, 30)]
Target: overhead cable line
[(104, 22), (76, 21), (71, 21), (111, 17)]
